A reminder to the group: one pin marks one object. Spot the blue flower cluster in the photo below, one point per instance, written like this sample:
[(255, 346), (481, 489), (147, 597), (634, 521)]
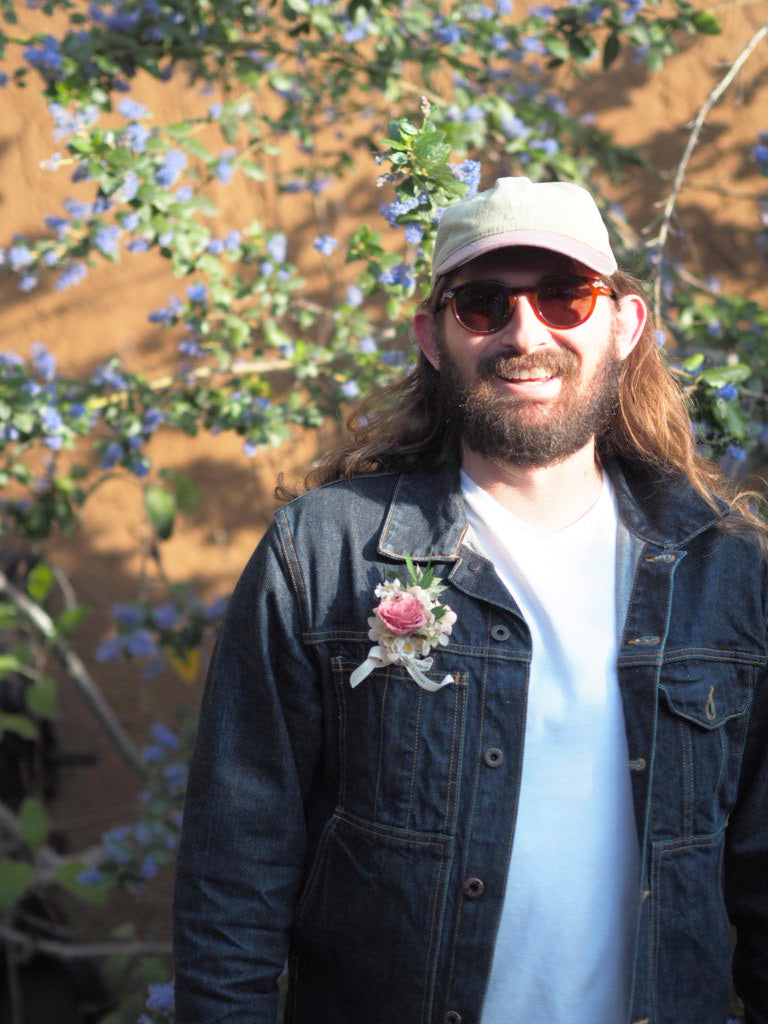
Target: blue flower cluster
[(728, 391), (131, 110), (224, 167), (629, 17), (760, 152), (468, 171), (173, 163), (68, 122), (46, 57), (144, 630), (447, 32), (325, 244), (160, 999), (230, 243), (168, 314), (135, 136), (108, 377), (355, 32), (402, 205), (402, 275), (106, 239)]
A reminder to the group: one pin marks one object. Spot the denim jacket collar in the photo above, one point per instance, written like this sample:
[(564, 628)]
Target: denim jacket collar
[(426, 518)]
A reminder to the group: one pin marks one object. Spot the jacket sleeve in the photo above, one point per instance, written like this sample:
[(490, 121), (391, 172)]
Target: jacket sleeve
[(243, 837), (746, 864)]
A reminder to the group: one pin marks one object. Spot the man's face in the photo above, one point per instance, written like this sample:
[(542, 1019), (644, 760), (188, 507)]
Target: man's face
[(529, 394)]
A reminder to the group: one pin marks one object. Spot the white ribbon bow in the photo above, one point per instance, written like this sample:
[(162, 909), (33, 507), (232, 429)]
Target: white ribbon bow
[(416, 667)]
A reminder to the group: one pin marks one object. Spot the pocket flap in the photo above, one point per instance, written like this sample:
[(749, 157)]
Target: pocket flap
[(708, 702)]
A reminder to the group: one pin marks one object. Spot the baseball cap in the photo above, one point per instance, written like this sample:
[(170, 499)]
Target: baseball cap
[(555, 215)]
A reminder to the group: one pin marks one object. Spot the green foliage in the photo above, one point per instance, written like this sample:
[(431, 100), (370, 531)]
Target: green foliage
[(161, 509), (15, 878), (34, 822)]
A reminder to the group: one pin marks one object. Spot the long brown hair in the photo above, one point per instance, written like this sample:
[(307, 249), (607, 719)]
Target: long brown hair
[(402, 426)]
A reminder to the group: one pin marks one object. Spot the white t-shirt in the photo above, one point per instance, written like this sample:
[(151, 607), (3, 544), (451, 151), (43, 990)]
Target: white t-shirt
[(563, 948)]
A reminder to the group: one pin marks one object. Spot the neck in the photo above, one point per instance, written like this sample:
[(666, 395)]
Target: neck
[(548, 497)]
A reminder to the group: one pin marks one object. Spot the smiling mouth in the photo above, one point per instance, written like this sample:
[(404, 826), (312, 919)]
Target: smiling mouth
[(534, 376)]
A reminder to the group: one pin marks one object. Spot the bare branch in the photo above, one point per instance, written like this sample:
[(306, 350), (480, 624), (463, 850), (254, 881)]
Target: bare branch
[(46, 861), (693, 139), (66, 588), (77, 672), (10, 823), (28, 944)]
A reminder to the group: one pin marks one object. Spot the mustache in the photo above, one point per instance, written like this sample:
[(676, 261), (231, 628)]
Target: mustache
[(557, 363)]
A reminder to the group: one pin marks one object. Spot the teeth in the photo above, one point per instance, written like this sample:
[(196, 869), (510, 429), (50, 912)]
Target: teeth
[(534, 374)]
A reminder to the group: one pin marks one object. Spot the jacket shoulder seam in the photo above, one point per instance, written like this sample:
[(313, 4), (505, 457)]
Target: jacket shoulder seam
[(292, 563)]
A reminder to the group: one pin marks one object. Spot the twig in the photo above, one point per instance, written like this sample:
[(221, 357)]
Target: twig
[(693, 138), (10, 823), (28, 944), (47, 861), (66, 588), (14, 988), (77, 672)]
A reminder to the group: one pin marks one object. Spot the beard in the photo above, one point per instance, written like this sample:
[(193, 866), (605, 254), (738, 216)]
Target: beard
[(527, 431)]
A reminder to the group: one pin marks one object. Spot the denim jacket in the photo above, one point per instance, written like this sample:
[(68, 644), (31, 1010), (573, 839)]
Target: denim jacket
[(363, 835)]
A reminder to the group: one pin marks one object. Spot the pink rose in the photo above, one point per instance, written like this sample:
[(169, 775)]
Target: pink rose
[(402, 615)]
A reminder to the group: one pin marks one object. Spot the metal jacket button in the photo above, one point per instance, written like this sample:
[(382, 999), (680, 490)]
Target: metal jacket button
[(499, 632), (452, 1017), (474, 564), (493, 757), (473, 888)]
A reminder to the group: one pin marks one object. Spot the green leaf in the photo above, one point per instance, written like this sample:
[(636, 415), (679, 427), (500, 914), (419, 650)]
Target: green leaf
[(9, 663), (693, 362), (705, 22), (41, 698), (15, 879), (611, 50), (39, 582), (160, 505), (70, 619), (253, 171), (9, 616), (719, 375), (196, 148), (34, 822), (18, 724), (729, 417), (185, 490), (556, 46)]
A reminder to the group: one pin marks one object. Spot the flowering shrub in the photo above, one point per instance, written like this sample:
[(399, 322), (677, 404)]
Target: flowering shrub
[(243, 308)]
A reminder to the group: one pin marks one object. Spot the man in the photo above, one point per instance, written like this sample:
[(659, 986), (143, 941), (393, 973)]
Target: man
[(535, 796)]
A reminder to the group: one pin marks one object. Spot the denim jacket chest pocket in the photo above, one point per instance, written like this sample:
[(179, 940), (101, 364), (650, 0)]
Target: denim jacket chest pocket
[(702, 723), (400, 745)]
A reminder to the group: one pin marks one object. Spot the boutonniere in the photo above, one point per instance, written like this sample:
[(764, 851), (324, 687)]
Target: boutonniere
[(407, 623)]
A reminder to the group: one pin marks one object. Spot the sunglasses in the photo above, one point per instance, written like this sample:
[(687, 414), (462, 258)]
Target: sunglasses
[(483, 307)]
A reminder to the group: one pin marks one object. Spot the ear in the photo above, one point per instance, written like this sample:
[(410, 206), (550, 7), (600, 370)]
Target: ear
[(425, 329), (633, 313)]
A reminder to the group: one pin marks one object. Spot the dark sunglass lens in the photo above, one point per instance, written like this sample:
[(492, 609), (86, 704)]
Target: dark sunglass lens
[(482, 308), (564, 302)]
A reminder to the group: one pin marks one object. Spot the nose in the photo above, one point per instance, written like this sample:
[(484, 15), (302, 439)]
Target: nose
[(525, 332)]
